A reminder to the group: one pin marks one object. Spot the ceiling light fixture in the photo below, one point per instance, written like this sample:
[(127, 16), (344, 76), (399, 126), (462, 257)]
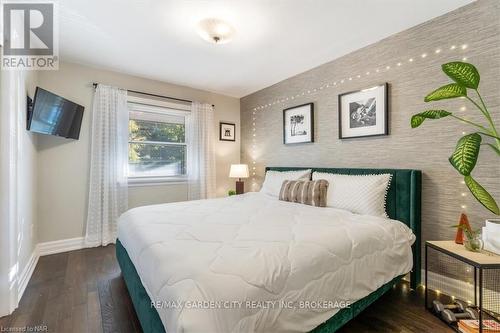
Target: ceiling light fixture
[(215, 31)]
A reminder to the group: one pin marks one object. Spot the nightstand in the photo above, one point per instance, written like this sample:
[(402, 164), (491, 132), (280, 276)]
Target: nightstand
[(484, 266)]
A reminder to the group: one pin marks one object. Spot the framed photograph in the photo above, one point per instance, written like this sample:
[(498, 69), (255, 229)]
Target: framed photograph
[(364, 113), (227, 132), (298, 124)]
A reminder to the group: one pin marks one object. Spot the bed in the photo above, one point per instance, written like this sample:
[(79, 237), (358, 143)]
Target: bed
[(253, 263)]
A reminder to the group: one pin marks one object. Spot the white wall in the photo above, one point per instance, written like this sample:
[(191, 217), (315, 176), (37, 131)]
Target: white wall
[(63, 165), (17, 188)]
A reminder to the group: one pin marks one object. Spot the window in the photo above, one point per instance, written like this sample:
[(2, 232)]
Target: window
[(157, 143)]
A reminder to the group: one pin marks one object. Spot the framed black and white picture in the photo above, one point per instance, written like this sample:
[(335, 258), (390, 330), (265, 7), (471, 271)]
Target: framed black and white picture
[(364, 113), (298, 124), (227, 132)]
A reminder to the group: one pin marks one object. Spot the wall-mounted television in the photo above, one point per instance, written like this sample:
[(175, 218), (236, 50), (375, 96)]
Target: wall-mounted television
[(54, 115)]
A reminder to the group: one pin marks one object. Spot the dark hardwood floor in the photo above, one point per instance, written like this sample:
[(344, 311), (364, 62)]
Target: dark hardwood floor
[(83, 291)]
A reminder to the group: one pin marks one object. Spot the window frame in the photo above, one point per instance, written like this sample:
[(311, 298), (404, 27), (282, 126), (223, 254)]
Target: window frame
[(166, 108)]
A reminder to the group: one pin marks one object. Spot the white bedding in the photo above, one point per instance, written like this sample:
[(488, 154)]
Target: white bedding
[(270, 255)]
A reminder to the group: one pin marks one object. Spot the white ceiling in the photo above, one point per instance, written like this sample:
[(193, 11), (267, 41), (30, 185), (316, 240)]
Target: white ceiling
[(275, 39)]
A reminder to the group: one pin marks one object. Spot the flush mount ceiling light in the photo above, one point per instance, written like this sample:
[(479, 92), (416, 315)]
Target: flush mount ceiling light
[(215, 31)]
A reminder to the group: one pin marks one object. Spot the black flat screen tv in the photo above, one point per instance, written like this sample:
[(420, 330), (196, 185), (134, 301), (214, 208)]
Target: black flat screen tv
[(54, 115)]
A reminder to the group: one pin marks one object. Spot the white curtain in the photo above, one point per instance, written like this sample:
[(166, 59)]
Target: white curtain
[(201, 152), (108, 165)]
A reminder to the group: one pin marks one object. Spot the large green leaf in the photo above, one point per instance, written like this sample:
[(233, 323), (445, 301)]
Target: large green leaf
[(452, 90), (462, 73), (419, 118), (465, 156), (482, 195)]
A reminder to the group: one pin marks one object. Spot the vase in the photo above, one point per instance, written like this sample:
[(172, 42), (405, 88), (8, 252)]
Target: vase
[(474, 244), (491, 236)]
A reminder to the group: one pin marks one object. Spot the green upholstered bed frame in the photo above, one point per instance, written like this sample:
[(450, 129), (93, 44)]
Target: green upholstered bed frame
[(403, 204)]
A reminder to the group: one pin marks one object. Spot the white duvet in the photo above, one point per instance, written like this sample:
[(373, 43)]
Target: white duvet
[(252, 263)]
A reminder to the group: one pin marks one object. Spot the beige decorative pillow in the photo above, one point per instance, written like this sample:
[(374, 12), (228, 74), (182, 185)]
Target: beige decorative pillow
[(360, 194), (309, 192), (274, 180)]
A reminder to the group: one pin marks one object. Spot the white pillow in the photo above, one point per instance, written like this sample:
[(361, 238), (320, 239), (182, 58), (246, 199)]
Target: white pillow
[(274, 180), (360, 194)]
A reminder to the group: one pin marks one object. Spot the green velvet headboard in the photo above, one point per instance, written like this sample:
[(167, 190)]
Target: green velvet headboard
[(403, 201)]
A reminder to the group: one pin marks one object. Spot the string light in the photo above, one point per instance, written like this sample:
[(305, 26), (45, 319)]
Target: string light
[(377, 70), (253, 152), (282, 100), (254, 129)]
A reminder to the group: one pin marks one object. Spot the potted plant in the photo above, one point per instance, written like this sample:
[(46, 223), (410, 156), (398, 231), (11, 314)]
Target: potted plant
[(464, 158), (466, 80), (472, 241)]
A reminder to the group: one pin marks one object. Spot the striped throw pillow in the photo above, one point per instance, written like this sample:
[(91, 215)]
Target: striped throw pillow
[(308, 192)]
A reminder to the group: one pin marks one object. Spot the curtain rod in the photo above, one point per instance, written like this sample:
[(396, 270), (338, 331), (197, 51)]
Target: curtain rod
[(154, 95)]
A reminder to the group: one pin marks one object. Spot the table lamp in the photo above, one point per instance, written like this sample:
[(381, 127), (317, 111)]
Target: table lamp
[(239, 171)]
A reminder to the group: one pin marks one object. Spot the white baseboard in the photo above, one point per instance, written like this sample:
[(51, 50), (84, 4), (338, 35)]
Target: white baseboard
[(454, 287), (26, 274), (450, 286), (63, 245), (43, 249)]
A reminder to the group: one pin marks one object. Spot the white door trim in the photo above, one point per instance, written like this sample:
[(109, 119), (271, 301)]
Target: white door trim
[(11, 92)]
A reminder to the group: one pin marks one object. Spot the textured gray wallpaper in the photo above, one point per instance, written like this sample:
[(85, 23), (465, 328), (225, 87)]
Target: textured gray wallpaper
[(426, 148)]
